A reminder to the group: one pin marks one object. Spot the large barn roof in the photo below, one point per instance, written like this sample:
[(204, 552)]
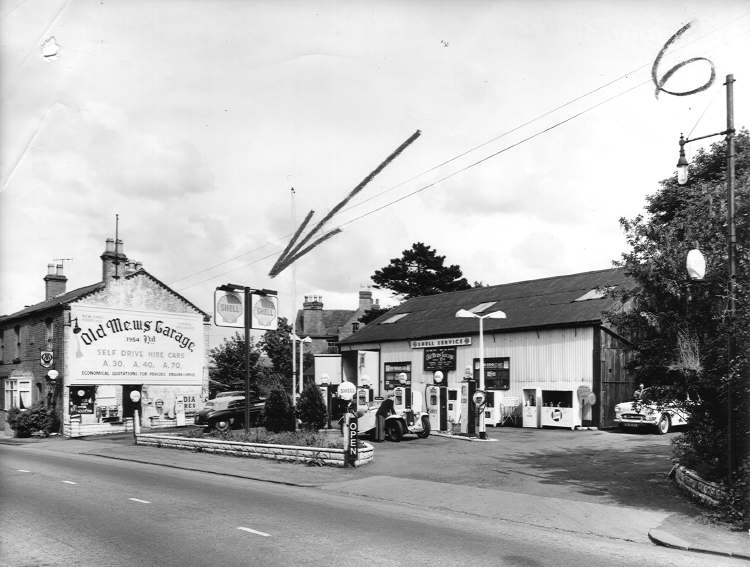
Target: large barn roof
[(549, 302)]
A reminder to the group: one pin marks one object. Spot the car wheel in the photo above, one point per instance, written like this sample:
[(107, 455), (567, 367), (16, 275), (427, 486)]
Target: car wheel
[(425, 428), (222, 425), (664, 425), (394, 430)]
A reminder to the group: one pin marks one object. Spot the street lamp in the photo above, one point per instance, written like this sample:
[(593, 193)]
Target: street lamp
[(696, 263), (301, 352), (464, 313)]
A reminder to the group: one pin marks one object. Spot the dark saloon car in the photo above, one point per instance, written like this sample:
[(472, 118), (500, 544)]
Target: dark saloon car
[(227, 411)]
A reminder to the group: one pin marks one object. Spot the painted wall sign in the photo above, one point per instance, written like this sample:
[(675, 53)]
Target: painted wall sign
[(439, 358), (455, 341), (117, 346)]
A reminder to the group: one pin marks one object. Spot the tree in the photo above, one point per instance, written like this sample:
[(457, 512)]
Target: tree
[(228, 366), (680, 328), (371, 314), (420, 271), (278, 346), (278, 411), (312, 408)]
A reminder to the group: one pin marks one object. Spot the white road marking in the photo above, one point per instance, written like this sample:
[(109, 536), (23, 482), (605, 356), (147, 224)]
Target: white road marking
[(139, 500), (22, 470), (256, 532), (69, 482)]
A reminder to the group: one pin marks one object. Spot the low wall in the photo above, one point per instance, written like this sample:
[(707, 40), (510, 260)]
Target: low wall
[(708, 493), (320, 455)]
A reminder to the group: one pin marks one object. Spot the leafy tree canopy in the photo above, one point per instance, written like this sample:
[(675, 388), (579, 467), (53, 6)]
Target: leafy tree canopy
[(278, 346), (680, 328), (420, 271), (228, 369)]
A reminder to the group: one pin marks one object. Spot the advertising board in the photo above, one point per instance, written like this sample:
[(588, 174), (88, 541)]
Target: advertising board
[(118, 346)]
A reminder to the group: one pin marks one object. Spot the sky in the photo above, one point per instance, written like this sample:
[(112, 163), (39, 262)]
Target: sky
[(192, 120)]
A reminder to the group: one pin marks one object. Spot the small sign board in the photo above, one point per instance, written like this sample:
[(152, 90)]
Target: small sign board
[(352, 445), (347, 390), (229, 309), (46, 358), (264, 312), (439, 358)]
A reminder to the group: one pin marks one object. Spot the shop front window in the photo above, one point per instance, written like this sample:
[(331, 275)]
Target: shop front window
[(496, 373), (392, 374)]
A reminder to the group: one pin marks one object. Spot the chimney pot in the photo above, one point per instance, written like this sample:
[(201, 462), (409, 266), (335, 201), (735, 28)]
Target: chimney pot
[(59, 270), (110, 245), (50, 269)]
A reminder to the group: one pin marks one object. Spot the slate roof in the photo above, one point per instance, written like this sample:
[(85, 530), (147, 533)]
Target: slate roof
[(76, 294), (547, 302)]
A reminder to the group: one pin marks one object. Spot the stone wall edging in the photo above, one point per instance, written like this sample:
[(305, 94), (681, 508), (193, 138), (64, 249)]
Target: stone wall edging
[(708, 493), (322, 455)]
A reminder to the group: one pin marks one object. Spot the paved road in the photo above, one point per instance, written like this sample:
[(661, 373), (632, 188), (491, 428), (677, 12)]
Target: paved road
[(62, 509)]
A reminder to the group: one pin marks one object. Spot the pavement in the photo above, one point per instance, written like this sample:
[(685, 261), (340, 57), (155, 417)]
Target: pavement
[(550, 479)]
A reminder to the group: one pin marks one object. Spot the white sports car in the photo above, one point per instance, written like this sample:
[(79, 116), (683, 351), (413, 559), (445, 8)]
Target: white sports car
[(645, 413)]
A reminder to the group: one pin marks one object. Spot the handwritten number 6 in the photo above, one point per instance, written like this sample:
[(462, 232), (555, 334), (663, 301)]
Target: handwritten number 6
[(659, 82)]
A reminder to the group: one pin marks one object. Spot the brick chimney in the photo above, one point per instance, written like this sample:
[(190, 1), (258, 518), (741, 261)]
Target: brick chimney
[(54, 281), (365, 300), (312, 316), (113, 265)]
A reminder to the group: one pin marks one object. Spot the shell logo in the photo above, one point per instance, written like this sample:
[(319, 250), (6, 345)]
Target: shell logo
[(264, 312), (229, 306)]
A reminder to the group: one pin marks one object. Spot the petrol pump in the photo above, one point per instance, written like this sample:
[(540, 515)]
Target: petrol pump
[(401, 398), (325, 393), (364, 397), (436, 398), (467, 388)]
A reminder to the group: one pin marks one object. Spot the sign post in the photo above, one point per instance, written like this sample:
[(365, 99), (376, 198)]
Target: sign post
[(258, 310)]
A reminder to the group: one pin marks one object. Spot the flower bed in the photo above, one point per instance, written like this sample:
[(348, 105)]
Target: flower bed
[(292, 453)]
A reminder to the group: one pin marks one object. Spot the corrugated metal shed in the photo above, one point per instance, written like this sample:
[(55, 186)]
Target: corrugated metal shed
[(547, 302)]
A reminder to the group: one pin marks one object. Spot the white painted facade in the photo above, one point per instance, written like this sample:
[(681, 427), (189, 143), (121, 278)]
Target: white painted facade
[(555, 359)]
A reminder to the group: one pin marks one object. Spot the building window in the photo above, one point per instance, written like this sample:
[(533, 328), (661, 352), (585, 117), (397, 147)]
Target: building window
[(391, 374), (17, 353), (49, 329), (482, 307), (333, 346), (496, 373), (17, 393), (355, 327), (394, 318)]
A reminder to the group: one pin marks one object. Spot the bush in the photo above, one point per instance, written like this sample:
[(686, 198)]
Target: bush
[(312, 408), (278, 411), (37, 419)]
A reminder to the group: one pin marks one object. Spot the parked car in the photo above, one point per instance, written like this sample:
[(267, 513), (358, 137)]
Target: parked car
[(646, 412), (227, 411)]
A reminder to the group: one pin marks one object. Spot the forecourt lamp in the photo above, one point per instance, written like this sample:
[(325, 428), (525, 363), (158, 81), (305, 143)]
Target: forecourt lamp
[(302, 342), (464, 313), (696, 264)]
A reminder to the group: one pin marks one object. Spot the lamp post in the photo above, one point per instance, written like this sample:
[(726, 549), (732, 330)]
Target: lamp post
[(464, 313), (682, 178), (302, 342)]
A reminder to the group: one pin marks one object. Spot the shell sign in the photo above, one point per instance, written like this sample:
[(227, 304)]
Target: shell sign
[(229, 310), (264, 313)]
